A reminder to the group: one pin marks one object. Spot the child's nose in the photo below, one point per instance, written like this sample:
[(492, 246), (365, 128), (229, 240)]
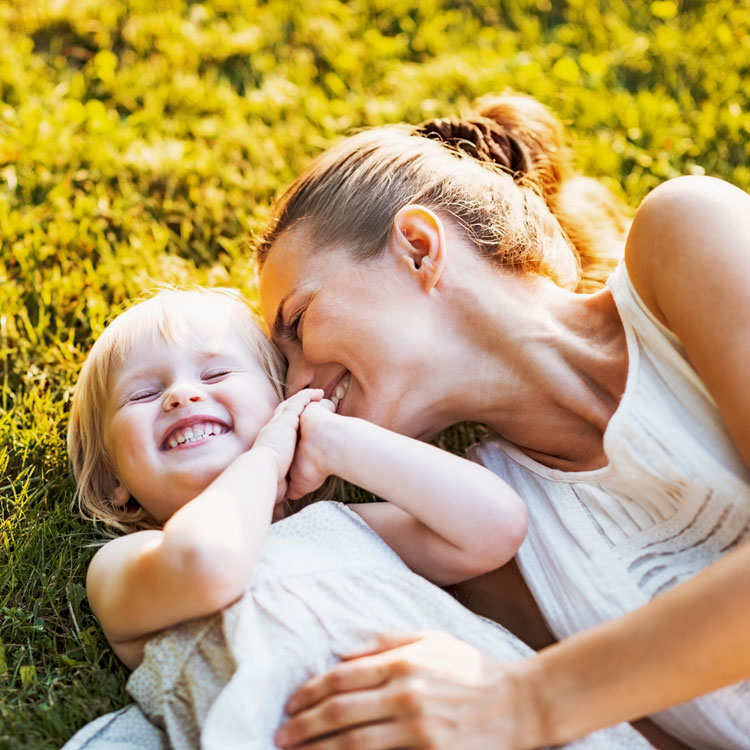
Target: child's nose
[(180, 395)]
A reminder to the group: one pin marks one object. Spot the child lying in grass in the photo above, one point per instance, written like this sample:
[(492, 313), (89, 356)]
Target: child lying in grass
[(179, 437)]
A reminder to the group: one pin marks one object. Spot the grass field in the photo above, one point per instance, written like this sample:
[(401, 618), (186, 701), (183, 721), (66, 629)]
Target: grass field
[(142, 142)]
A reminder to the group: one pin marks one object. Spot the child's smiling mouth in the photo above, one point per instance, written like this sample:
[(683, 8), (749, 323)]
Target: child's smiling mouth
[(193, 430)]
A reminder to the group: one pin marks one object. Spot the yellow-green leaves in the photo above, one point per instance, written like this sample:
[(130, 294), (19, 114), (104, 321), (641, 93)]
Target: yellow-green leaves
[(664, 9)]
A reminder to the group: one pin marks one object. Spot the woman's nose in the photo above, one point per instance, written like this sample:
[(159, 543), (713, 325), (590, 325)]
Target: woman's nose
[(180, 395), (299, 375)]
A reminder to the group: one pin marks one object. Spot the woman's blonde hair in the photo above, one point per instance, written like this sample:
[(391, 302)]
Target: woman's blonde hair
[(504, 174), (155, 320)]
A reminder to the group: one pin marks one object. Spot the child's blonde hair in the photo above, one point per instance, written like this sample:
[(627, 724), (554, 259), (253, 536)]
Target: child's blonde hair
[(155, 320)]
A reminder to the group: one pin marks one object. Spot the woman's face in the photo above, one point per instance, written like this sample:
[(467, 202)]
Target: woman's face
[(362, 331)]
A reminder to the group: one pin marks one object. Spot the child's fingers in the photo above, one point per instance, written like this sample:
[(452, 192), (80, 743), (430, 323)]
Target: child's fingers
[(281, 490), (297, 403), (292, 493), (326, 403)]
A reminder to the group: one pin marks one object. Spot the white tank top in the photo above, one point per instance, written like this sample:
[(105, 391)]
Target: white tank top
[(673, 498)]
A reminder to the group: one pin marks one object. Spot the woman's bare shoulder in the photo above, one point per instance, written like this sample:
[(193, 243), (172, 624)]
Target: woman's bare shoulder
[(688, 235), (688, 256)]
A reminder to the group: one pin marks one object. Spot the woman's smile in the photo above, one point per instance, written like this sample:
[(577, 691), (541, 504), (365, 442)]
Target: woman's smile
[(337, 393)]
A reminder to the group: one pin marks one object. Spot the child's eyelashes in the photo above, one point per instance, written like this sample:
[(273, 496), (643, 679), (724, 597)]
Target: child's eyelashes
[(143, 396), (214, 375)]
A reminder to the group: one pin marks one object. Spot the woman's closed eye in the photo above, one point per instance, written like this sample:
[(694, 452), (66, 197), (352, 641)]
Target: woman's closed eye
[(292, 328)]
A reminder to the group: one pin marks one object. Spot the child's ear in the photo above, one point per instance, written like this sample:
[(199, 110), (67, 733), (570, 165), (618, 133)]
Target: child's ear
[(418, 240)]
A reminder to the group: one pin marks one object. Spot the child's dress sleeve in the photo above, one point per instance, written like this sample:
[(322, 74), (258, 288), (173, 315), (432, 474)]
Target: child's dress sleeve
[(126, 729)]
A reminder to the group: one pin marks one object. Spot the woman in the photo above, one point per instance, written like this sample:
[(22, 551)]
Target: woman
[(451, 272)]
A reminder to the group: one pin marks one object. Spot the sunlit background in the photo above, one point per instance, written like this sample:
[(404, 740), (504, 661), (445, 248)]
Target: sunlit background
[(143, 141)]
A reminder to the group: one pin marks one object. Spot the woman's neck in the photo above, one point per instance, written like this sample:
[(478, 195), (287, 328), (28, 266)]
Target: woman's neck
[(543, 367)]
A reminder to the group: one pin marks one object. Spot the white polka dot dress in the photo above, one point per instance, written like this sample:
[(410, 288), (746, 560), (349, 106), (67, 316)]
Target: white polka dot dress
[(325, 584)]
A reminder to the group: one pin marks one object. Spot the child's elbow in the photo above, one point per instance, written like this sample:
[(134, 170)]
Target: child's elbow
[(501, 536), (213, 577)]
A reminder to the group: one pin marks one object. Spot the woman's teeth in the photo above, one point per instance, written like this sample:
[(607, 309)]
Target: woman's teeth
[(194, 433), (340, 391)]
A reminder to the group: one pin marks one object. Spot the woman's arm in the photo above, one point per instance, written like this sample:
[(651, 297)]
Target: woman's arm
[(688, 254), (448, 518), (204, 556)]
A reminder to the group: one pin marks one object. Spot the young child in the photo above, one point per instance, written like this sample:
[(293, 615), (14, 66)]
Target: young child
[(179, 437)]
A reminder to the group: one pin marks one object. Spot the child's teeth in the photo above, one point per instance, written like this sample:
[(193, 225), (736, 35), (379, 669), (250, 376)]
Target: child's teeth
[(340, 391), (193, 433)]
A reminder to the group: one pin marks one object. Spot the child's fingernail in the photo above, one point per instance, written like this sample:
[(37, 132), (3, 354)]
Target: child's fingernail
[(281, 737)]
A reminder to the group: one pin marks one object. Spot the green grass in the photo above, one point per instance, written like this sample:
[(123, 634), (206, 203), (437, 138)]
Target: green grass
[(142, 142)]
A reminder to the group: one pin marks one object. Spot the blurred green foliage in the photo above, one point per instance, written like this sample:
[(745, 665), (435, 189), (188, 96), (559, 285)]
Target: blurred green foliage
[(143, 141)]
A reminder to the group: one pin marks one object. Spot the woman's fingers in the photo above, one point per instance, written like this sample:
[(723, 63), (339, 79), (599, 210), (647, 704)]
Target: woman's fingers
[(342, 711), (387, 656), (382, 642), (345, 677), (445, 688), (404, 733)]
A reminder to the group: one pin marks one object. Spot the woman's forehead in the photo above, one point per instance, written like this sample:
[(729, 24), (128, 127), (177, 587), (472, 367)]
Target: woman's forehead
[(293, 266)]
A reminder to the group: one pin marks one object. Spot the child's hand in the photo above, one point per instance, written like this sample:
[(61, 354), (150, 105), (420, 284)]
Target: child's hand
[(312, 462), (279, 435)]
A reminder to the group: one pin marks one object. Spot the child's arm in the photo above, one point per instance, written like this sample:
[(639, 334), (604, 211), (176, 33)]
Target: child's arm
[(448, 518), (203, 558)]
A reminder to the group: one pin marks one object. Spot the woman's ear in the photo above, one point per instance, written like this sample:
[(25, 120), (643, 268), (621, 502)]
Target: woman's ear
[(418, 241)]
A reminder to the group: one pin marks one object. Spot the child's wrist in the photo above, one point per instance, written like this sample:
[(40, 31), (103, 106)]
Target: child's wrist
[(269, 456), (327, 441)]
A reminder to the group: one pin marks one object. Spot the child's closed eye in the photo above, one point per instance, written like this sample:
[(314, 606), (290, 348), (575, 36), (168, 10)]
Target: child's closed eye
[(146, 395), (218, 374)]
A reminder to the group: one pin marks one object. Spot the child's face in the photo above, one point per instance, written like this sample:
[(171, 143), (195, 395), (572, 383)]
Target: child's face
[(179, 413)]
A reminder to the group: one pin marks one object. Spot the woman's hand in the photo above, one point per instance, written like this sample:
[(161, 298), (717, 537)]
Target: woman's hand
[(279, 435), (313, 462), (422, 691)]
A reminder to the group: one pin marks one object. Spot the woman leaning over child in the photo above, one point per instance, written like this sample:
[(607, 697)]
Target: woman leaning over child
[(178, 437), (463, 270)]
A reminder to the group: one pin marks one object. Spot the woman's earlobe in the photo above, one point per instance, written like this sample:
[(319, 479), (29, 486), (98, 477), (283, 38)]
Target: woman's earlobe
[(430, 273)]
